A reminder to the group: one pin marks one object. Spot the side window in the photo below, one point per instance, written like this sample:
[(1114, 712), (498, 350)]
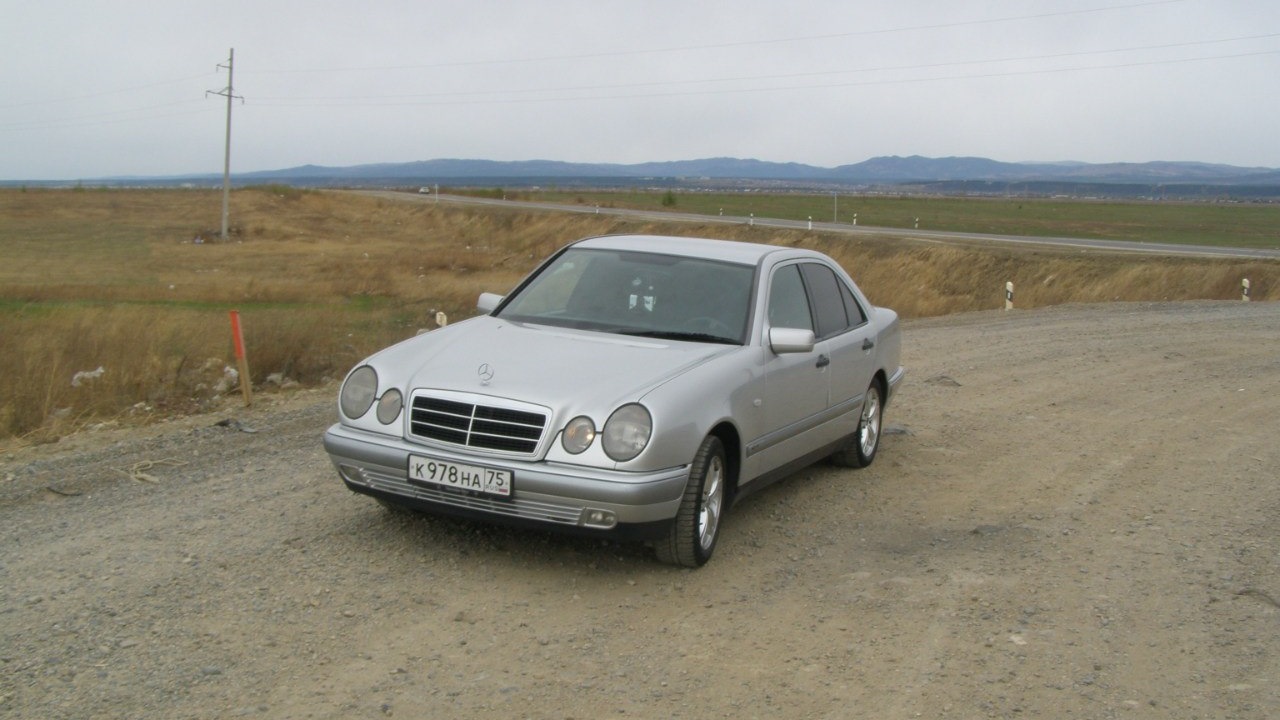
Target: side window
[(824, 288), (788, 305), (857, 316)]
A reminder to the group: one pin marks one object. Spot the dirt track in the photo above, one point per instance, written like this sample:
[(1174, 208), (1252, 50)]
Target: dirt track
[(1078, 518)]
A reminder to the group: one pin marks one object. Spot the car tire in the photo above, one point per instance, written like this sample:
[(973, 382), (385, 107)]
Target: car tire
[(863, 445), (693, 534)]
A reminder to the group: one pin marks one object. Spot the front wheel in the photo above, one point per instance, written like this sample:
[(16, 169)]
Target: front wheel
[(693, 535), (863, 445)]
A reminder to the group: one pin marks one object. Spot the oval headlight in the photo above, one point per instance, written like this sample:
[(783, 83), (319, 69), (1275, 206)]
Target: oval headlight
[(358, 392), (578, 435), (389, 406), (627, 432)]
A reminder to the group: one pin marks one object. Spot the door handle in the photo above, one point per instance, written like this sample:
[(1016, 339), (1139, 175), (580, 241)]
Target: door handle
[(823, 361), (867, 344)]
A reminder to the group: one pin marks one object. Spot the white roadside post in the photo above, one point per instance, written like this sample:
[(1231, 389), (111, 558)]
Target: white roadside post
[(1244, 290), (1008, 295), (810, 222)]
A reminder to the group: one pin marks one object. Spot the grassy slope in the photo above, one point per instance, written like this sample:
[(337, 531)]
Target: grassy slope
[(112, 279)]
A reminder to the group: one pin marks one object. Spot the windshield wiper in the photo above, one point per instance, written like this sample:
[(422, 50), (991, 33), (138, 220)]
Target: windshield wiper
[(677, 335)]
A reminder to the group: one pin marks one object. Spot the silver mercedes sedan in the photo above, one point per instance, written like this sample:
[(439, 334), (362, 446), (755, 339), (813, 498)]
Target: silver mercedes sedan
[(633, 386)]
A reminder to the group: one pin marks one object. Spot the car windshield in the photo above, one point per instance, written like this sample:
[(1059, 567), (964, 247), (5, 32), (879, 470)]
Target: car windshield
[(638, 293)]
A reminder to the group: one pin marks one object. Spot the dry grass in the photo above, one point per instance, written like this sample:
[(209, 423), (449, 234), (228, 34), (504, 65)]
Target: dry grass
[(113, 279)]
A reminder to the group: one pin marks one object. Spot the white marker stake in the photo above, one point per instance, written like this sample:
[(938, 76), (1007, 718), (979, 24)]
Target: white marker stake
[(1008, 295)]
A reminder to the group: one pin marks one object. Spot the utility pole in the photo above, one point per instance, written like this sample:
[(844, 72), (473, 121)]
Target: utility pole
[(228, 93)]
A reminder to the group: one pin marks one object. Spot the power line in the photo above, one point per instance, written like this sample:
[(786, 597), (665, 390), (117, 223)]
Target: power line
[(104, 93), (663, 88), (721, 46), (107, 118), (462, 97), (269, 100), (486, 97)]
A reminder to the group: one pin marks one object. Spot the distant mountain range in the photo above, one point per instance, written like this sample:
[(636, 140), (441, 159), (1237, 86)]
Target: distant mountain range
[(880, 170), (893, 174), (915, 174)]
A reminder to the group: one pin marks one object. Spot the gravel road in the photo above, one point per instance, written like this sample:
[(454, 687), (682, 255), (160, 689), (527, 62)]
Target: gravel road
[(1076, 516)]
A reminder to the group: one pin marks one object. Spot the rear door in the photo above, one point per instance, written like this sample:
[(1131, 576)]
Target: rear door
[(847, 337)]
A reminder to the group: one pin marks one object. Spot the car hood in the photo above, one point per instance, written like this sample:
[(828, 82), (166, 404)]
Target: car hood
[(540, 364)]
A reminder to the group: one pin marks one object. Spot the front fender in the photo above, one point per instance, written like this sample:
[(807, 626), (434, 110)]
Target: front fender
[(686, 408)]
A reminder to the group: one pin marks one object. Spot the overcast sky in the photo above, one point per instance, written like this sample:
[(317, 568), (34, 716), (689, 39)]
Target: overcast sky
[(94, 88)]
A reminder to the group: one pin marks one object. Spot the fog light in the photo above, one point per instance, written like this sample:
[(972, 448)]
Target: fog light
[(603, 519)]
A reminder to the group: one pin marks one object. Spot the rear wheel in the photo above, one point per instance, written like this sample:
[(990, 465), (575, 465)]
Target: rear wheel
[(862, 448), (693, 535)]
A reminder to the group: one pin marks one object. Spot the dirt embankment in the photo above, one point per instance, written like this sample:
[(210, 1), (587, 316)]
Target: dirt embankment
[(1078, 517)]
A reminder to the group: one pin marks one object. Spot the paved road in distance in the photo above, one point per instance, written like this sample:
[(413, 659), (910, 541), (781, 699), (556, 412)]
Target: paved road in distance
[(945, 236)]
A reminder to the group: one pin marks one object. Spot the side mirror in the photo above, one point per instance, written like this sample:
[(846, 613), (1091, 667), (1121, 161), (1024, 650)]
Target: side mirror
[(791, 340), (487, 302)]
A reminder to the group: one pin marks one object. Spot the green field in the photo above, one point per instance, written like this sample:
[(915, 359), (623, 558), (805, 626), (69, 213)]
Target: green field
[(1246, 225)]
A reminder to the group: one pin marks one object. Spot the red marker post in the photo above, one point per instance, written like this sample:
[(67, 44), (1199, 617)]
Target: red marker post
[(238, 338)]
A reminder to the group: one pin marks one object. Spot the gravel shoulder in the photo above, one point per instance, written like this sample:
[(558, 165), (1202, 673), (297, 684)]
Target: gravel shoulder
[(1077, 515)]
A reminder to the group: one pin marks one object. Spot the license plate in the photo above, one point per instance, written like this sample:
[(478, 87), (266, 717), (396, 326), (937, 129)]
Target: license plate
[(458, 476)]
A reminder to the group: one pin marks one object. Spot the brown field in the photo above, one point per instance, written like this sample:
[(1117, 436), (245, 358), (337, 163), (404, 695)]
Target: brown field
[(114, 279)]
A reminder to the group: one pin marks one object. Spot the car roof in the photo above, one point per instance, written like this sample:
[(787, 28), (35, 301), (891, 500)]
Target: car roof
[(723, 250)]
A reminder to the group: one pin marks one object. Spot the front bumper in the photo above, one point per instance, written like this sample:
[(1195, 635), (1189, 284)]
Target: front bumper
[(592, 500)]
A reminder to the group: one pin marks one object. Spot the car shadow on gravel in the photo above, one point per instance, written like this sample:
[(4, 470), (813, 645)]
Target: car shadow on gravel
[(462, 540)]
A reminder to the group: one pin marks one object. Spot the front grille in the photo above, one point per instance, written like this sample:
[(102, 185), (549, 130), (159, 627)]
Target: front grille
[(483, 427)]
